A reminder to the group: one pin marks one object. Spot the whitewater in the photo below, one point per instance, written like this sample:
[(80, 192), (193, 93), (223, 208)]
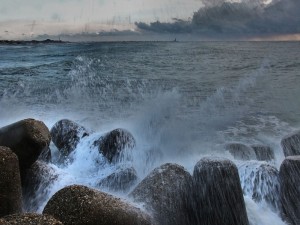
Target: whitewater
[(181, 101)]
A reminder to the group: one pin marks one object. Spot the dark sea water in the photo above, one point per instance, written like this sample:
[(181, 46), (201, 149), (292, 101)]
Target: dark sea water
[(187, 99)]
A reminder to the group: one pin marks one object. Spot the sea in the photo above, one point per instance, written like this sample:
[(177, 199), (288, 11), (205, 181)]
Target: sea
[(181, 101)]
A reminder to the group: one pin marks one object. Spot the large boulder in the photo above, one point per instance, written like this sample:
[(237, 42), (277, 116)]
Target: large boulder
[(66, 134), (291, 144), (27, 139), (30, 218), (218, 193), (260, 181), (10, 183), (114, 143), (37, 185), (263, 153), (289, 175), (166, 192), (120, 181), (82, 205), (240, 151)]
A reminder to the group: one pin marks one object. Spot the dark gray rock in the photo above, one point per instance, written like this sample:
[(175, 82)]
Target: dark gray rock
[(10, 183), (291, 144), (27, 139), (289, 175), (240, 151), (31, 218), (83, 206), (36, 185), (166, 191), (263, 153), (260, 181), (66, 134), (218, 193), (114, 143), (120, 181)]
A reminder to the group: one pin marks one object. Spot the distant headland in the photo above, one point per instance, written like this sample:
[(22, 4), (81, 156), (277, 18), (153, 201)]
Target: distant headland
[(19, 42)]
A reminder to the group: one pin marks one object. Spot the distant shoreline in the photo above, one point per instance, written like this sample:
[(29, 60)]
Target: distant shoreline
[(19, 42)]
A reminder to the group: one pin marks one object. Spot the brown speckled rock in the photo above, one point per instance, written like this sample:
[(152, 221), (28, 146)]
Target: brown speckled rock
[(27, 139), (30, 219), (166, 191), (81, 205), (3, 222), (10, 183)]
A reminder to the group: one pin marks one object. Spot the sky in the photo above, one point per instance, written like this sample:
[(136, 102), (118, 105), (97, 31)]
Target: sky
[(129, 19)]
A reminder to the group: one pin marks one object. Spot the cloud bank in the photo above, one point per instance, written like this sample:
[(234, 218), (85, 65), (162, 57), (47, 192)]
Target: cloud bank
[(236, 19)]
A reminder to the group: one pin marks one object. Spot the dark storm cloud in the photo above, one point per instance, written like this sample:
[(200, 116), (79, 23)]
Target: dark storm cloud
[(237, 19)]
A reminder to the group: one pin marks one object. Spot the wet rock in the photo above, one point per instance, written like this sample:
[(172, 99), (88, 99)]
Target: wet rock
[(119, 181), (27, 139), (218, 193), (260, 181), (37, 185), (31, 218), (289, 175), (82, 205), (291, 144), (114, 143), (45, 155), (3, 222), (263, 153), (166, 191), (241, 151), (66, 134), (10, 183)]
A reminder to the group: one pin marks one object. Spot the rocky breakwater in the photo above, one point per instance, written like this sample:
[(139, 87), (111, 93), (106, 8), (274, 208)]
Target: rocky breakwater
[(22, 144), (82, 205), (218, 193), (289, 176)]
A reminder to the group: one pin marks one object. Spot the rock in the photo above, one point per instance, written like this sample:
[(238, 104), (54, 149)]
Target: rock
[(36, 185), (263, 153), (66, 134), (114, 143), (10, 183), (291, 144), (82, 205), (27, 139), (260, 181), (31, 218), (218, 193), (166, 191), (241, 151), (3, 222), (45, 155), (119, 181), (289, 176)]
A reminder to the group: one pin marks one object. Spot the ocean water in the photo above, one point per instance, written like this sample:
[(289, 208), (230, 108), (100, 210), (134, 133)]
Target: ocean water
[(180, 100)]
